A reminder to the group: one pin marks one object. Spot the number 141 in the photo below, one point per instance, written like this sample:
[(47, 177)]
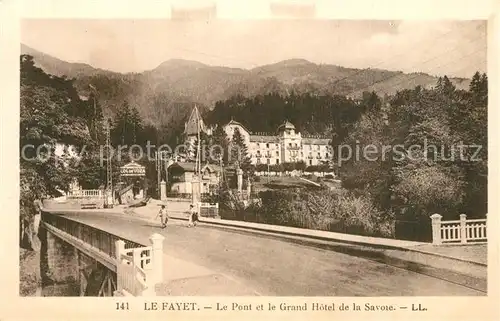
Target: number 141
[(122, 305)]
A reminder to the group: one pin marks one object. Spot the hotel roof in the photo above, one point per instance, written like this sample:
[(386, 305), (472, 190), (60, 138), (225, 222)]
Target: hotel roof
[(263, 139), (315, 141), (286, 125), (191, 167)]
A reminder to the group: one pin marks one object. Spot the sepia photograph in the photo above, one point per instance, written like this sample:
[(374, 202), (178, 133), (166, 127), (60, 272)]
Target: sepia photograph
[(290, 157)]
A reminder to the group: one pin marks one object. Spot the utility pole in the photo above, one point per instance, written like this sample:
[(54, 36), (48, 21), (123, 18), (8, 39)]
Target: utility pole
[(166, 164), (108, 201), (94, 120), (198, 156), (221, 178), (158, 172)]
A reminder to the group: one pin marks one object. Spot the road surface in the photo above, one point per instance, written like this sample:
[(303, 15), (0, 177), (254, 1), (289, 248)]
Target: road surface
[(275, 267)]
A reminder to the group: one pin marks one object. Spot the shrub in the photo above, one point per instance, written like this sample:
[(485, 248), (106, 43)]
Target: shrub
[(329, 211), (434, 189)]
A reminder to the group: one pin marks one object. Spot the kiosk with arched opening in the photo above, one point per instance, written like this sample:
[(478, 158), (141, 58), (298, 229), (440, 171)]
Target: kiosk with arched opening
[(132, 183)]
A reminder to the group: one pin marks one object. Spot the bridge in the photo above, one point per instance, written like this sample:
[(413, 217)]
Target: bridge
[(101, 263), (109, 253)]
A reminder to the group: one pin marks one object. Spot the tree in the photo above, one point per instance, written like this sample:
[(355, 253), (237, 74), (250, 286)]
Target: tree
[(50, 116), (445, 87), (239, 152), (220, 145), (136, 126), (92, 112)]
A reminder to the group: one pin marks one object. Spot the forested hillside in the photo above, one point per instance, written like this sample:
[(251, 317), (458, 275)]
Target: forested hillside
[(165, 95)]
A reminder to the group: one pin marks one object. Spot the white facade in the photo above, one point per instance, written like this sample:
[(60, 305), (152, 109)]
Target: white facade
[(287, 146)]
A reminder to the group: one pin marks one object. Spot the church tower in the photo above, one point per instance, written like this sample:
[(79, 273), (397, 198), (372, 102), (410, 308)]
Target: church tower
[(191, 127)]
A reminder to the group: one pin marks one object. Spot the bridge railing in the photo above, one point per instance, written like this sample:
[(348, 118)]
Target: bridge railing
[(131, 279), (458, 231), (95, 237), (138, 267)]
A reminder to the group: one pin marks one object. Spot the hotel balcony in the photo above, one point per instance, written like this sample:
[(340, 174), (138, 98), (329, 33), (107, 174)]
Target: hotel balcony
[(293, 147)]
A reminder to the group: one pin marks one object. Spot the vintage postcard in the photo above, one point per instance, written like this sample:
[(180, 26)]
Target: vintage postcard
[(273, 159)]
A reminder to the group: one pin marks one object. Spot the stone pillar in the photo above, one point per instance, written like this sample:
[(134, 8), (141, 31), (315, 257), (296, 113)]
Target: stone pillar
[(61, 260), (436, 229), (463, 230), (239, 173), (109, 198), (119, 250), (163, 190), (249, 188), (196, 190), (157, 258), (36, 222)]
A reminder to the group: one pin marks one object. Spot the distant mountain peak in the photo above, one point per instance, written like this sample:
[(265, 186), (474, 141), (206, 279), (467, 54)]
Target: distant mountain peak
[(177, 62), (296, 61)]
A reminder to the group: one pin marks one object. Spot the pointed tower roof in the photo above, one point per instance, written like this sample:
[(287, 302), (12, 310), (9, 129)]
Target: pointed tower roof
[(195, 120)]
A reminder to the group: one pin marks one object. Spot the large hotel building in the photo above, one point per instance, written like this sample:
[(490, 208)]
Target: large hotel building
[(286, 146)]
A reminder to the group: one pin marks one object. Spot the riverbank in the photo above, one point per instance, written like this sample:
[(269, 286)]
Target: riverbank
[(29, 273)]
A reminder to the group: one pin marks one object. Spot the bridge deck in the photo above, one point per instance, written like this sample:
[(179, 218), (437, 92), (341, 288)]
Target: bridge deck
[(211, 261)]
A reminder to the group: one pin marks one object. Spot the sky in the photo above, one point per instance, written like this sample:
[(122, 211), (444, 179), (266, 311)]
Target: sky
[(455, 48)]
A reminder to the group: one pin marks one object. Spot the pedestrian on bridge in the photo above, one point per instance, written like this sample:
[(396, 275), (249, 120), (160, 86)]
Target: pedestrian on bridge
[(193, 216), (163, 216)]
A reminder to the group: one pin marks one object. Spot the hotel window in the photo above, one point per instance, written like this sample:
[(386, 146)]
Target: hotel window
[(310, 162), (258, 160), (277, 153), (277, 146), (268, 161), (277, 161), (327, 155), (267, 145)]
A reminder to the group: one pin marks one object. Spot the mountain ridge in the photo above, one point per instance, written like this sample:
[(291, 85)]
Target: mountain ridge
[(161, 94)]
